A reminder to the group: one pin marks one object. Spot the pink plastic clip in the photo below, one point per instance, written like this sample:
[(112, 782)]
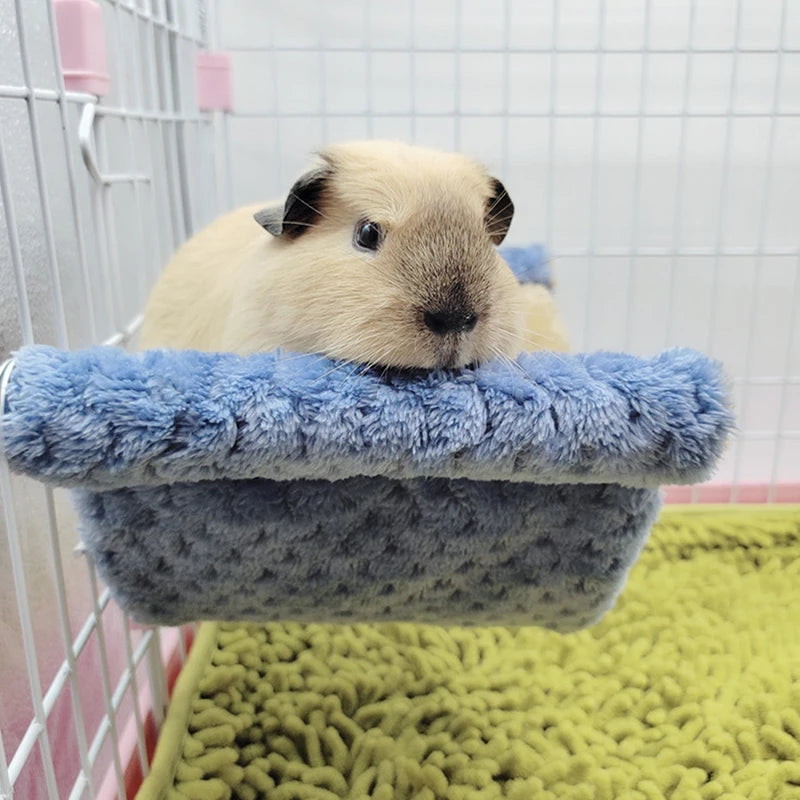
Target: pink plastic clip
[(82, 43), (214, 92)]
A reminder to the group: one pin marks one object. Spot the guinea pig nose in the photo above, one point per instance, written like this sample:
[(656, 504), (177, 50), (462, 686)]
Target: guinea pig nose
[(449, 320)]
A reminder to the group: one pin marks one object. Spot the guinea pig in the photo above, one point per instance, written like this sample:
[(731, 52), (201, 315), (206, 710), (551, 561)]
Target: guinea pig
[(382, 254)]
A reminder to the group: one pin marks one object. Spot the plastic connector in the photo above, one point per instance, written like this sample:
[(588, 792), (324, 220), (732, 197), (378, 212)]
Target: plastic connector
[(214, 85), (82, 43)]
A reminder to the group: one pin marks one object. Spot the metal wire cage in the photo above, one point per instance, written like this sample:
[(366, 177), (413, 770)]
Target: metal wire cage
[(653, 145)]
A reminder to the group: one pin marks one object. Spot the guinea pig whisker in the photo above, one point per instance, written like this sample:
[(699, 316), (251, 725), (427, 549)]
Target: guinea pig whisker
[(511, 362), (528, 335), (372, 363), (380, 360), (347, 343), (383, 353), (540, 343), (356, 338), (533, 337), (526, 338), (300, 224), (364, 368), (493, 217), (386, 368), (504, 359), (496, 201), (494, 231), (305, 203), (516, 332), (285, 359), (351, 373), (332, 370)]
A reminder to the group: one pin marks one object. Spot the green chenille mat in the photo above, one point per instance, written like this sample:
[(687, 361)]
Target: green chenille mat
[(688, 690)]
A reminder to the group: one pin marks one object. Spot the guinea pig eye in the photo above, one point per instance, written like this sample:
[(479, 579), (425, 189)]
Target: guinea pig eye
[(368, 235)]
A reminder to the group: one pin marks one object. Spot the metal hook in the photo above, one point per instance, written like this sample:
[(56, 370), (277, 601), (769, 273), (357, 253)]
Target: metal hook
[(89, 153), (86, 140)]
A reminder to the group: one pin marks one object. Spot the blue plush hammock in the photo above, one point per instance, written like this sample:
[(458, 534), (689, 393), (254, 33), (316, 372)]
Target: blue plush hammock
[(212, 486)]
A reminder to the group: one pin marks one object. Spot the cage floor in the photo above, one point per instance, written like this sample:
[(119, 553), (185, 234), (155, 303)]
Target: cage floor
[(690, 688)]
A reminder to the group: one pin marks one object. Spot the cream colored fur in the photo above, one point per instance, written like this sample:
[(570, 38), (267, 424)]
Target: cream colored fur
[(235, 287)]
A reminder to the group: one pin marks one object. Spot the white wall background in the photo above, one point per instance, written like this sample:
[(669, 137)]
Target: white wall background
[(655, 146)]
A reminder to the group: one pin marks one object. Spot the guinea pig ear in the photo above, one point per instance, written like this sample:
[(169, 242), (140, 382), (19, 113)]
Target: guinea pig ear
[(301, 209), (270, 219), (499, 212)]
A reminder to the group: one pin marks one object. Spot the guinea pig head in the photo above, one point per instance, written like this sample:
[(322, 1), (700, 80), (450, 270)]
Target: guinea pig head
[(389, 255)]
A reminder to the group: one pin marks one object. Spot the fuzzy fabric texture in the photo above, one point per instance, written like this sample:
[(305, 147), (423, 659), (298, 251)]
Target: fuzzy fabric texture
[(213, 486), (690, 689), (486, 495), (102, 418), (428, 550)]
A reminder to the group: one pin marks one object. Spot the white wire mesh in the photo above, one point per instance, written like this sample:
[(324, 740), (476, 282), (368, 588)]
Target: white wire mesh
[(652, 144), (81, 690)]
